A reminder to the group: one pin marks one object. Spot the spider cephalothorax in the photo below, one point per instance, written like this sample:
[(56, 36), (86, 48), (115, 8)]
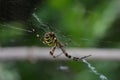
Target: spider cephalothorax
[(51, 40)]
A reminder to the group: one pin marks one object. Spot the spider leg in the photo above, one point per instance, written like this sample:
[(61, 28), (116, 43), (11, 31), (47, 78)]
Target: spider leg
[(84, 57), (52, 52), (63, 50), (69, 56), (77, 59)]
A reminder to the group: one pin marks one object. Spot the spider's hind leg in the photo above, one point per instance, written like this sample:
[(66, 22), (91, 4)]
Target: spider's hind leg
[(85, 57), (77, 59)]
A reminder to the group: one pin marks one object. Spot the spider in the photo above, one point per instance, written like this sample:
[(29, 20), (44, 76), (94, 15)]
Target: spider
[(51, 40)]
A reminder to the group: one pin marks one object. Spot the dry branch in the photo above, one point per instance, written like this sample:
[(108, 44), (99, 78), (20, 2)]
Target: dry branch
[(23, 53)]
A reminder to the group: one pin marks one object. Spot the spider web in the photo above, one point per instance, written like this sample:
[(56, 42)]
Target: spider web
[(101, 76), (46, 28)]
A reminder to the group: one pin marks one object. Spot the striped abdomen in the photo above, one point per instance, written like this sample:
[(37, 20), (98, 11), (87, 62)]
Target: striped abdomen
[(49, 39)]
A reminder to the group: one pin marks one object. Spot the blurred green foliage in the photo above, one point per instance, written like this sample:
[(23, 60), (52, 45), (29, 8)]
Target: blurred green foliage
[(83, 23), (79, 23)]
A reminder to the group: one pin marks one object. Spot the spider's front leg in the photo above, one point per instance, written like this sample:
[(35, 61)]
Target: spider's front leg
[(52, 51)]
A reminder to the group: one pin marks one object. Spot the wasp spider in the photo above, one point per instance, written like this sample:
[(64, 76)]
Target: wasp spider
[(51, 40)]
